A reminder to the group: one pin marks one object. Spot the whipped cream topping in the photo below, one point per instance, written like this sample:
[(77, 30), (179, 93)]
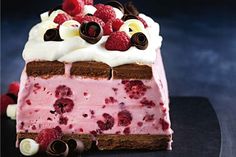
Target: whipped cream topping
[(77, 49)]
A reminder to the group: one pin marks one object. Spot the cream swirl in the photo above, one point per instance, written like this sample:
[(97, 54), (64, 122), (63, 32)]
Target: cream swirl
[(76, 49)]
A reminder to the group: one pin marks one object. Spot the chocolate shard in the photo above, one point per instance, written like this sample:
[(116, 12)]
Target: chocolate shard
[(91, 32), (58, 148), (90, 69), (52, 35), (75, 145), (132, 71), (139, 40), (116, 4), (45, 68), (130, 9), (128, 17)]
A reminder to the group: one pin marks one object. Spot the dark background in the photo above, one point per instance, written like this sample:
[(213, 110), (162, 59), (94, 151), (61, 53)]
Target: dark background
[(199, 50)]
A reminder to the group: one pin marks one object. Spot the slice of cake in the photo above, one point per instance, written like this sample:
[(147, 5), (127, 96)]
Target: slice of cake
[(94, 73)]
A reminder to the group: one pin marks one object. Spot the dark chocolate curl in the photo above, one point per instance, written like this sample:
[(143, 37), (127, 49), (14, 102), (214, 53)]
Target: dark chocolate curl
[(75, 145), (52, 35), (130, 9), (58, 148), (128, 17), (117, 5), (91, 32), (139, 40)]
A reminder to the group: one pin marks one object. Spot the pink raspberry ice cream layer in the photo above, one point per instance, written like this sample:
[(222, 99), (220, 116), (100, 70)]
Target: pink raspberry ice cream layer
[(84, 106)]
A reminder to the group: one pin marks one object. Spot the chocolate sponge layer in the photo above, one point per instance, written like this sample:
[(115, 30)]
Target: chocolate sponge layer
[(45, 68), (115, 142), (89, 69)]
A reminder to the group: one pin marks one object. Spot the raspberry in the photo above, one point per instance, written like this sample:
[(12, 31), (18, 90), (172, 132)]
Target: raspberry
[(63, 91), (148, 118), (99, 6), (118, 41), (164, 124), (79, 18), (46, 136), (61, 18), (13, 88), (143, 21), (63, 105), (73, 7), (88, 2), (93, 19), (105, 13), (135, 88), (124, 118), (5, 101), (107, 29), (147, 103), (108, 122), (116, 24), (112, 25)]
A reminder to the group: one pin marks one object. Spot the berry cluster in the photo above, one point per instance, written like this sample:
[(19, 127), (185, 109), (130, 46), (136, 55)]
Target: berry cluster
[(105, 16)]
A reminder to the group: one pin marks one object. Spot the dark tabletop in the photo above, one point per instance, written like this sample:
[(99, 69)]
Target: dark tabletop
[(199, 50)]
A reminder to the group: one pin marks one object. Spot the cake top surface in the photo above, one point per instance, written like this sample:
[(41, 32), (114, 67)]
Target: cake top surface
[(77, 30)]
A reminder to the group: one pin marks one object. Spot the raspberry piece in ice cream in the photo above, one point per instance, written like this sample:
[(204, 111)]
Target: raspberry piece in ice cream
[(63, 105), (61, 18), (63, 120), (148, 118), (119, 41), (147, 103), (165, 125), (124, 118), (108, 122), (127, 131), (110, 100), (135, 88), (105, 13), (13, 88), (73, 7), (63, 91), (46, 136)]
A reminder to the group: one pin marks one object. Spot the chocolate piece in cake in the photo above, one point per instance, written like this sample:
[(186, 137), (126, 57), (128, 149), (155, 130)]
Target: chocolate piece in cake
[(132, 71), (45, 68), (90, 69)]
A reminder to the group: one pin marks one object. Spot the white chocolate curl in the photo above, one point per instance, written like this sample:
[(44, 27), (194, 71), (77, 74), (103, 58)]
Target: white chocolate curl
[(69, 29), (11, 111), (133, 26), (29, 147)]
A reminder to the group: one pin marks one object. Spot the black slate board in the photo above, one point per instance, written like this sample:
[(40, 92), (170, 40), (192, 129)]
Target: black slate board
[(195, 125)]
